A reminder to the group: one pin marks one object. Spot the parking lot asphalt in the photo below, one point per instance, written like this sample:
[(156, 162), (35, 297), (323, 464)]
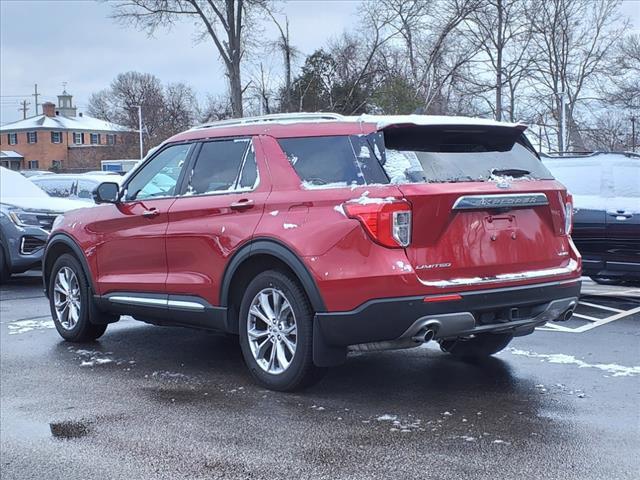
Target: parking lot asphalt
[(150, 402)]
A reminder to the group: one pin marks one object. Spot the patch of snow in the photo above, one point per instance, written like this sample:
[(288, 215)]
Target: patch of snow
[(468, 438), (615, 370), (340, 209), (387, 418), (314, 186), (383, 121), (24, 326), (288, 226), (404, 266), (274, 213), (498, 441), (364, 199), (364, 152)]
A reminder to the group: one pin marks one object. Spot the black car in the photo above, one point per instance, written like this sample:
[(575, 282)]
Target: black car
[(606, 199)]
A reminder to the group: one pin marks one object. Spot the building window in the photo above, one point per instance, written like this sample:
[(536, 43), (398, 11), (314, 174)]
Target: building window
[(95, 139), (78, 138), (13, 138), (56, 164), (33, 164), (111, 139), (32, 137), (56, 137)]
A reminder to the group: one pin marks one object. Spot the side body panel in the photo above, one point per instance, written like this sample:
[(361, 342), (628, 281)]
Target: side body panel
[(205, 231)]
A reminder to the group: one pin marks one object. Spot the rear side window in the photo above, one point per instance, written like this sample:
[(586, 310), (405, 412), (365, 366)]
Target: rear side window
[(62, 188), (221, 166), (581, 176), (459, 154), (626, 178), (333, 161)]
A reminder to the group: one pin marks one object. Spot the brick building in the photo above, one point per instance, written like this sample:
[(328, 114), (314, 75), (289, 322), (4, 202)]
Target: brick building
[(64, 140)]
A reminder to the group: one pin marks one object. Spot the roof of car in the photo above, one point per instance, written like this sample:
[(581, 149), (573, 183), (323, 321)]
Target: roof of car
[(78, 176), (324, 124)]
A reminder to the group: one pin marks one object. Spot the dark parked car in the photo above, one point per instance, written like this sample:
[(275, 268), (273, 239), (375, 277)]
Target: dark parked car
[(606, 198), (308, 236), (27, 215)]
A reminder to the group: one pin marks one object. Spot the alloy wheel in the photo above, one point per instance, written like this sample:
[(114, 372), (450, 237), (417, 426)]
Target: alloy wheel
[(66, 298), (271, 331)]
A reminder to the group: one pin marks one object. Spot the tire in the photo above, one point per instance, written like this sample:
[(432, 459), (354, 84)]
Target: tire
[(266, 352), (481, 346), (74, 328), (5, 274), (607, 281)]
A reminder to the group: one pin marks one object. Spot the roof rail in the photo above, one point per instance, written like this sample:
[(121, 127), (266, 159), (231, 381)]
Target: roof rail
[(589, 154), (276, 117)]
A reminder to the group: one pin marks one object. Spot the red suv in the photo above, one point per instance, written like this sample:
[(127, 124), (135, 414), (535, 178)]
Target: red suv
[(311, 235)]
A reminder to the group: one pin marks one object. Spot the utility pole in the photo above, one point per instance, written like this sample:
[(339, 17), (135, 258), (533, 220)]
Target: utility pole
[(633, 133), (563, 126), (36, 95), (24, 108), (140, 130)]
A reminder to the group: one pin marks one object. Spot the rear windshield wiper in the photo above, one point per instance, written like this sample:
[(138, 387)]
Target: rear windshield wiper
[(510, 172)]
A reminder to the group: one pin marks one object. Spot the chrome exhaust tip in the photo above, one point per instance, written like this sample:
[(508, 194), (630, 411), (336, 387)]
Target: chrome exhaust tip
[(424, 336), (567, 315)]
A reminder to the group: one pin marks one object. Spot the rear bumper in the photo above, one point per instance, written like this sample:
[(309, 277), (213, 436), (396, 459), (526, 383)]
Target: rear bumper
[(391, 322), (599, 267)]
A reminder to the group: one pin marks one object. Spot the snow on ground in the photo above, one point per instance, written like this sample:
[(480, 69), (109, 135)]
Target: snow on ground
[(612, 368), (24, 326)]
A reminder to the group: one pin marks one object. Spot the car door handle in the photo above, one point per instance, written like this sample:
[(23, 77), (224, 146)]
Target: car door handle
[(151, 212), (243, 204), (621, 214)]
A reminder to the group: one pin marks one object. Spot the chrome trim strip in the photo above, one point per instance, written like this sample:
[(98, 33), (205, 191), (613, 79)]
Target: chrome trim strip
[(472, 202), (184, 305), (503, 277), (155, 302)]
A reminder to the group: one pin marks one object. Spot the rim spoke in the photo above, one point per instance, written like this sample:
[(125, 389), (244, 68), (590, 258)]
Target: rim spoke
[(256, 334), (282, 358), (266, 308), (272, 358), (62, 281), (262, 349), (254, 310), (290, 330), (290, 345)]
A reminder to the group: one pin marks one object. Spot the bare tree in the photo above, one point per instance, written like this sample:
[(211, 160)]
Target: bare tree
[(572, 40), (166, 110), (289, 53), (502, 30), (223, 22)]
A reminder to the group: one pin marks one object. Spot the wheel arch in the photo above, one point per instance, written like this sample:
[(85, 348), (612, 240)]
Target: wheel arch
[(259, 255), (59, 244)]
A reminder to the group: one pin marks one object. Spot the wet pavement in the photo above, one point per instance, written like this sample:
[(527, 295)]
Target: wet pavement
[(150, 402)]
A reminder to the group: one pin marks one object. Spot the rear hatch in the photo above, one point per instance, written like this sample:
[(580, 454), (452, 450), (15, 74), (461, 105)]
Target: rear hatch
[(484, 206)]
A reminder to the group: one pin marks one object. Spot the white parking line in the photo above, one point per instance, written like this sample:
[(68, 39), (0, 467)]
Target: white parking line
[(586, 317), (553, 327), (602, 307)]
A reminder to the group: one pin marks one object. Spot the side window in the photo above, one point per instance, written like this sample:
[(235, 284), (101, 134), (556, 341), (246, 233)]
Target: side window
[(85, 189), (332, 161), (57, 187), (249, 175), (159, 177), (217, 167)]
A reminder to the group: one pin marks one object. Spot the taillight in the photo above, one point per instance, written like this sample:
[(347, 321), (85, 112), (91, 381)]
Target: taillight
[(568, 215), (387, 222)]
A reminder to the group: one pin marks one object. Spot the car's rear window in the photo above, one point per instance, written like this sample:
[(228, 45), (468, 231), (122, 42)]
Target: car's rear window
[(459, 154)]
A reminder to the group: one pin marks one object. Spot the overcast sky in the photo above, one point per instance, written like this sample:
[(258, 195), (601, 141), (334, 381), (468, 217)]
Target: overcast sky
[(51, 42)]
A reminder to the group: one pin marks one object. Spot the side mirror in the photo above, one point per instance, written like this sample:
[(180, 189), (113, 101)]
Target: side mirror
[(107, 192)]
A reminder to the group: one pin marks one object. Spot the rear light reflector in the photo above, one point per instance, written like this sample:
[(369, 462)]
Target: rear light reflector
[(443, 298), (388, 222), (568, 215)]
